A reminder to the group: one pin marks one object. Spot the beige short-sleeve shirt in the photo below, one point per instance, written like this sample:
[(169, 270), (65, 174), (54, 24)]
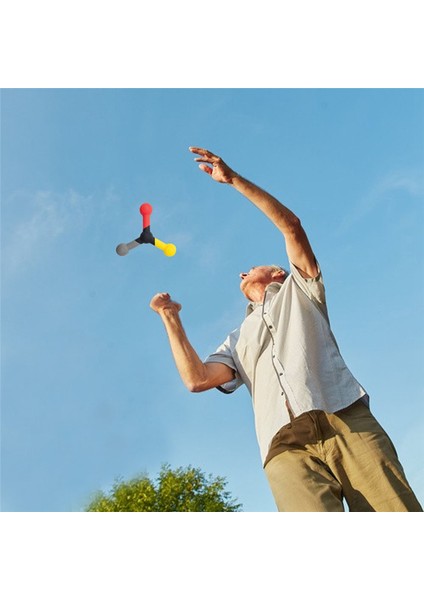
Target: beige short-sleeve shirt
[(286, 354)]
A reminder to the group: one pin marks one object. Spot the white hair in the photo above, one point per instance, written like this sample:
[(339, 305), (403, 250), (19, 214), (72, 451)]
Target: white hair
[(278, 268)]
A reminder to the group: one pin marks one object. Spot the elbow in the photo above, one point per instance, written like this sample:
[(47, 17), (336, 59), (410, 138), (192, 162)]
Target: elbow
[(197, 381), (291, 227), (294, 230), (195, 387), (295, 226)]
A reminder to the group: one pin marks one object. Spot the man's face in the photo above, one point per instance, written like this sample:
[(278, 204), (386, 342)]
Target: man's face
[(257, 275)]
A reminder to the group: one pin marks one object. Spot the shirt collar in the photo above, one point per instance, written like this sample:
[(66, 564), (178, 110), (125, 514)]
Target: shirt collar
[(270, 292)]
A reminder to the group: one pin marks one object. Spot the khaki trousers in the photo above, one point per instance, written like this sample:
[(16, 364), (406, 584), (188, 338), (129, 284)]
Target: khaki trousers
[(328, 457)]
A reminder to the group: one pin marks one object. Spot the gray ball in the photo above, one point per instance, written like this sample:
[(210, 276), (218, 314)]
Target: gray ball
[(122, 249)]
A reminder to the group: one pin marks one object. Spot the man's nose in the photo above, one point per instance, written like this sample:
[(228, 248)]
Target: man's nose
[(243, 275)]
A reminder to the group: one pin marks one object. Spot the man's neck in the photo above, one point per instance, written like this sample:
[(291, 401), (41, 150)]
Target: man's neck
[(257, 293)]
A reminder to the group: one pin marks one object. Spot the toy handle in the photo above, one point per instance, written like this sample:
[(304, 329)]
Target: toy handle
[(167, 249), (146, 211), (123, 249)]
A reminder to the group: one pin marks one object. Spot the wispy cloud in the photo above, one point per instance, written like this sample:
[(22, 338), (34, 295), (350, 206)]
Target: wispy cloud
[(400, 186), (33, 222)]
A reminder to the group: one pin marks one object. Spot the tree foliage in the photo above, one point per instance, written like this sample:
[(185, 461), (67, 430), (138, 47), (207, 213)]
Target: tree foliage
[(178, 490)]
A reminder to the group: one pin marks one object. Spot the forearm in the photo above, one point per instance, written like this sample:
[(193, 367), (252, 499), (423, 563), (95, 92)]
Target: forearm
[(190, 367), (281, 216)]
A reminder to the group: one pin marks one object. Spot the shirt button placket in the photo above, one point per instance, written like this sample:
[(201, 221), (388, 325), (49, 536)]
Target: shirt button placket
[(278, 370), (276, 366)]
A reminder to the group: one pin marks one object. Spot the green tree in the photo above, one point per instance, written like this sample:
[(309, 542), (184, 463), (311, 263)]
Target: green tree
[(178, 490)]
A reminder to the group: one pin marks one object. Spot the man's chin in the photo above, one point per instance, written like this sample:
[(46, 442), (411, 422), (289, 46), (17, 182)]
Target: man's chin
[(243, 287)]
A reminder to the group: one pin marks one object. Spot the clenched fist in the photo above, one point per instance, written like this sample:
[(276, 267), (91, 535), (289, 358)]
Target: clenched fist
[(162, 301)]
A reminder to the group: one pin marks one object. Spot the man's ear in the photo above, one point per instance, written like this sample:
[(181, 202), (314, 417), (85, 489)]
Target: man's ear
[(279, 276)]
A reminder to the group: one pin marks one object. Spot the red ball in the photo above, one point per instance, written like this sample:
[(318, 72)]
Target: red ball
[(146, 209)]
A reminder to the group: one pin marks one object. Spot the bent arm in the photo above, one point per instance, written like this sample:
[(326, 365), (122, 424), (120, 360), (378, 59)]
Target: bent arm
[(196, 375), (298, 248)]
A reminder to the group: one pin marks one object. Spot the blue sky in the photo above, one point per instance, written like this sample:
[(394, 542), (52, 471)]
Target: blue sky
[(89, 388)]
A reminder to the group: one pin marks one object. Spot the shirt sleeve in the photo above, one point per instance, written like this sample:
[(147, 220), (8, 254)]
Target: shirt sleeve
[(313, 286), (223, 354)]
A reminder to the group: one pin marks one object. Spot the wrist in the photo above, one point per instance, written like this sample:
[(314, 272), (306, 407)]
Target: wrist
[(169, 312), (233, 177), (238, 181)]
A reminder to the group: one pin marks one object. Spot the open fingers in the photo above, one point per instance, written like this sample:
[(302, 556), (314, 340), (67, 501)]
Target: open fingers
[(206, 155), (206, 169), (197, 150), (206, 159)]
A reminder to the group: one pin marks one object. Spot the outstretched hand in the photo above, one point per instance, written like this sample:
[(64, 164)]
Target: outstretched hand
[(162, 301), (213, 165)]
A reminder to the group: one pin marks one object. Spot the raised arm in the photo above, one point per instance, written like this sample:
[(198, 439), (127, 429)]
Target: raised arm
[(196, 375), (298, 248)]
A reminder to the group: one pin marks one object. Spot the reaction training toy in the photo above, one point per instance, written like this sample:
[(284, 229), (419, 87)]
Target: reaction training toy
[(146, 236)]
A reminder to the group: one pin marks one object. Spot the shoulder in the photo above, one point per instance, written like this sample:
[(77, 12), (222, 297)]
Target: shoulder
[(313, 287)]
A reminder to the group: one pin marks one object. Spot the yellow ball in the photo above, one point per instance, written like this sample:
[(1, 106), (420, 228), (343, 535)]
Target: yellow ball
[(169, 250)]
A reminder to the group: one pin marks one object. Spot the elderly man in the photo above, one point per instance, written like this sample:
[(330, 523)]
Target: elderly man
[(318, 440)]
